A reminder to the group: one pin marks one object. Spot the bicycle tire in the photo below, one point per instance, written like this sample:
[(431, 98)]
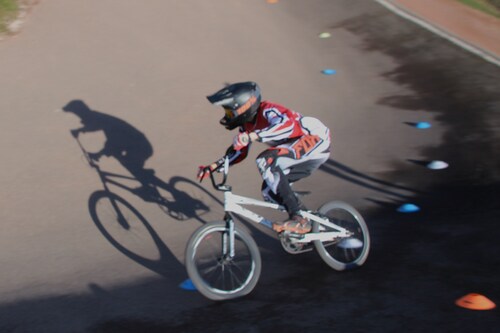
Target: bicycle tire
[(222, 278), (335, 253)]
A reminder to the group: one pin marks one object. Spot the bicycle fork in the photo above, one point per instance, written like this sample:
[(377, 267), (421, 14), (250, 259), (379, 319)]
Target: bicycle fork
[(228, 238)]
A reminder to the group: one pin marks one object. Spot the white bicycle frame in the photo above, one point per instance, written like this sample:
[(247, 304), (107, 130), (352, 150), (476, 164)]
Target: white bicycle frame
[(234, 203)]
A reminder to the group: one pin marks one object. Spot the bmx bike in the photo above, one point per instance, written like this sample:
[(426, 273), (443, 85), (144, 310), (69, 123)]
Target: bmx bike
[(223, 260)]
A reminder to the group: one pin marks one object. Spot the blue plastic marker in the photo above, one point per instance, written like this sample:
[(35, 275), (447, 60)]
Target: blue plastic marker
[(408, 208), (423, 125), (187, 285), (329, 71)]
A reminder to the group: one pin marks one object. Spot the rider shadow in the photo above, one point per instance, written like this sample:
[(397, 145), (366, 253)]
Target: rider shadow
[(119, 222), (123, 141), (132, 149)]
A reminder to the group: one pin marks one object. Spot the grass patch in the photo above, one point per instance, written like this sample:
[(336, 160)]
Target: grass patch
[(488, 7), (8, 11)]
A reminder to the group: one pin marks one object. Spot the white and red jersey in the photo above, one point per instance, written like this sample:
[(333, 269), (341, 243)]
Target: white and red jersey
[(279, 126), (276, 123)]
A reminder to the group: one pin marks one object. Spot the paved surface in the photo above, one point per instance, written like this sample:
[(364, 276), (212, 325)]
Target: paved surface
[(67, 267)]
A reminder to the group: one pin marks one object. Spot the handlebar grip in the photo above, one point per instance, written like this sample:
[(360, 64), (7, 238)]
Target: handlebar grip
[(222, 185)]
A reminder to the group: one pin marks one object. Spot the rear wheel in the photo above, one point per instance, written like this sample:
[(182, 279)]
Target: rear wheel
[(343, 253), (216, 274)]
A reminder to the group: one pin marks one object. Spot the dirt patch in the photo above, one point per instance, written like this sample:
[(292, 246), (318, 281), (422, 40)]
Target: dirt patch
[(15, 26)]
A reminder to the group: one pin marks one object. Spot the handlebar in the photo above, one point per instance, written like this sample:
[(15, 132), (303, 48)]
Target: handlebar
[(225, 170)]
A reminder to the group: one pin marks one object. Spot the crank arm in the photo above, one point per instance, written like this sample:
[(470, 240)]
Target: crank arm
[(321, 236), (307, 249)]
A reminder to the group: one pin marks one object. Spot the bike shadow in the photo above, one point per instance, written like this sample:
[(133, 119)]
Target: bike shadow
[(122, 224), (132, 149), (353, 176)]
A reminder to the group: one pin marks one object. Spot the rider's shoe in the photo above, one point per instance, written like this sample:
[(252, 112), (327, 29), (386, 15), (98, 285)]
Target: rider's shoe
[(297, 224)]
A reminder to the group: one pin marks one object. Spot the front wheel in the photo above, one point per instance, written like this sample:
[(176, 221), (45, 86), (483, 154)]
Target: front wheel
[(215, 273), (343, 253)]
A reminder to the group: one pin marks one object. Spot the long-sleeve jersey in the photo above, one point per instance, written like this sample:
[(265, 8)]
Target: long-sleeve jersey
[(275, 124)]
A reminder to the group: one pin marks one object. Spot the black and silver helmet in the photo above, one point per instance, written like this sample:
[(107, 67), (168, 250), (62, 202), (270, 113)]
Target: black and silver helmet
[(241, 102)]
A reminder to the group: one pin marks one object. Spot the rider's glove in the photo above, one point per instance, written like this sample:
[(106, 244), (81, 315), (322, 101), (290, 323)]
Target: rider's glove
[(241, 140), (203, 172)]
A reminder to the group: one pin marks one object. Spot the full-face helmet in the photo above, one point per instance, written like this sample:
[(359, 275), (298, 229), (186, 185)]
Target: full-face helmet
[(240, 101)]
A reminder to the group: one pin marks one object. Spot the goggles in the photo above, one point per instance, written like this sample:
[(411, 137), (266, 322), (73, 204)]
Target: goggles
[(229, 113)]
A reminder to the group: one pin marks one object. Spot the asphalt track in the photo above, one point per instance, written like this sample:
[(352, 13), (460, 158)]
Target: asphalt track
[(146, 68)]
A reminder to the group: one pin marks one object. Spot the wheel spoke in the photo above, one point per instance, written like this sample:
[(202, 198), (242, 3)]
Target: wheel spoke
[(216, 275), (347, 252)]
